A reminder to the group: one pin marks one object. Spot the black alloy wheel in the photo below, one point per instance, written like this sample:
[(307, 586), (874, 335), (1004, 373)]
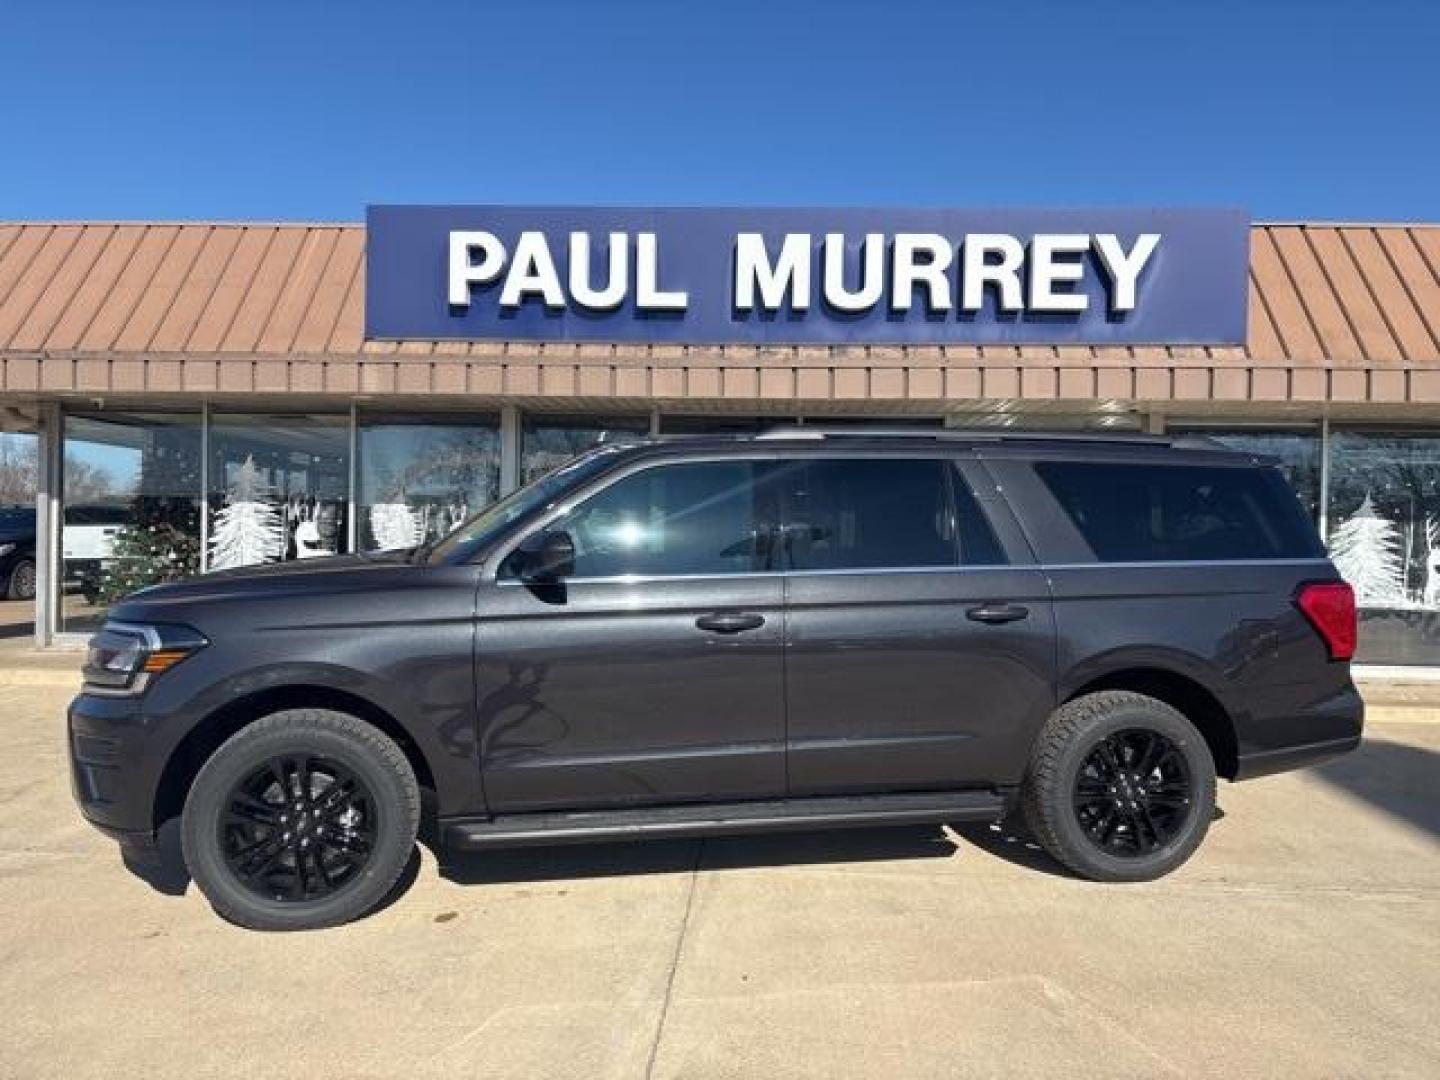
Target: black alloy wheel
[(1120, 786), (1133, 793), (298, 828), (302, 819)]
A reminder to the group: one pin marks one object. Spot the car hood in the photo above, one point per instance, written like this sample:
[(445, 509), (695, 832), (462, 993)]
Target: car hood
[(334, 573)]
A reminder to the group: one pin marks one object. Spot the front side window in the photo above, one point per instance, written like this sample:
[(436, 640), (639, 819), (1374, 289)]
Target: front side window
[(1178, 513), (693, 518), (880, 513)]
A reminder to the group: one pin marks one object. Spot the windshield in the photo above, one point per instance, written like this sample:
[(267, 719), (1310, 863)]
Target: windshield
[(484, 528)]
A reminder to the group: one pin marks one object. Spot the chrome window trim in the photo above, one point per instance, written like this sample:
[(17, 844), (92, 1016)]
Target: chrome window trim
[(645, 579), (1142, 564)]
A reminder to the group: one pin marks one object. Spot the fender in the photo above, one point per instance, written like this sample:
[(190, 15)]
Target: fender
[(1154, 658), (439, 720)]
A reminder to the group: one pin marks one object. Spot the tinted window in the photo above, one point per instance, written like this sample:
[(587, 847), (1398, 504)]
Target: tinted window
[(878, 513), (672, 519), (1167, 513)]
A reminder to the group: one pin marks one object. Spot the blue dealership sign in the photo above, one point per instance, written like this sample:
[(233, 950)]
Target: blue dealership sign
[(807, 276)]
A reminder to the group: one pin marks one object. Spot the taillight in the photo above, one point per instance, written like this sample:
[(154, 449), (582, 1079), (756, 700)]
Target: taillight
[(1330, 607)]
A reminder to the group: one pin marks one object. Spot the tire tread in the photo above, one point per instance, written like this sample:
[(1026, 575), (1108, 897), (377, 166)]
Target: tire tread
[(356, 731), (1045, 776)]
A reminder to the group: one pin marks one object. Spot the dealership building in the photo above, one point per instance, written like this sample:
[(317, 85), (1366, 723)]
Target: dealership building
[(210, 394)]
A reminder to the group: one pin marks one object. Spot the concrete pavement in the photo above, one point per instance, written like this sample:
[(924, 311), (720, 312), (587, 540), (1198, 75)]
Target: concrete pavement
[(1303, 940)]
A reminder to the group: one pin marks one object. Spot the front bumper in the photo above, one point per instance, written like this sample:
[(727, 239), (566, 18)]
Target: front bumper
[(114, 767)]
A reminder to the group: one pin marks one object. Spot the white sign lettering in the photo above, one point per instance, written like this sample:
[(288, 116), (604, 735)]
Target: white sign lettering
[(1045, 276)]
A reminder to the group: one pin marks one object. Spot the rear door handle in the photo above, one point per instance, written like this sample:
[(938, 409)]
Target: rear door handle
[(996, 613), (730, 622)]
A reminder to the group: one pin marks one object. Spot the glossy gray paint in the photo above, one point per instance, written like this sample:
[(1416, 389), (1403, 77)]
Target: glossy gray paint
[(890, 686), (596, 695)]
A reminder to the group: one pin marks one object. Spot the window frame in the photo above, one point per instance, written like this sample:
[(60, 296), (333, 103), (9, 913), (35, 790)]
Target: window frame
[(961, 468)]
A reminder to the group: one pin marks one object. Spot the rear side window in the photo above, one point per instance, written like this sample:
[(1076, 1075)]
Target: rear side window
[(880, 513), (1172, 513)]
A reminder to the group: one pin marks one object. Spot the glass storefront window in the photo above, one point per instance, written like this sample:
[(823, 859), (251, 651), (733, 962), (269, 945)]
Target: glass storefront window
[(130, 508), (1298, 453), (548, 441), (420, 478), (279, 488), (719, 424), (1384, 536)]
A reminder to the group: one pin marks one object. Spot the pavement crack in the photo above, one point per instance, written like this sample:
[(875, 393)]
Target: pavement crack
[(675, 962)]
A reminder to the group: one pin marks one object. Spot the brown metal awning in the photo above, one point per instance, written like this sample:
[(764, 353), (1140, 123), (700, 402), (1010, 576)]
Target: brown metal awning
[(1338, 314)]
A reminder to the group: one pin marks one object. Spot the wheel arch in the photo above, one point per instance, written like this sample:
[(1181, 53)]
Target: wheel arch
[(1181, 691), (219, 725)]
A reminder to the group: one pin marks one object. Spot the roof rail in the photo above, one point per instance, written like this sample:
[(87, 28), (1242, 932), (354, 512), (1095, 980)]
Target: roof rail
[(795, 431)]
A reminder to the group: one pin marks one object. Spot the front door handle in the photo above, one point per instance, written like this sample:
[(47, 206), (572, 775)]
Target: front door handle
[(996, 613), (730, 622)]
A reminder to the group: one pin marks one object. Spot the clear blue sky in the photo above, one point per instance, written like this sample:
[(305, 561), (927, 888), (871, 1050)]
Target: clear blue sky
[(307, 110)]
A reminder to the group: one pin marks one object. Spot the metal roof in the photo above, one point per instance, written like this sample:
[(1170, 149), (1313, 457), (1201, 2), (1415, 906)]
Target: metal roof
[(1337, 294)]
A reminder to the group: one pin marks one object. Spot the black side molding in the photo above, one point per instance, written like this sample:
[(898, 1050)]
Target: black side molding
[(777, 815)]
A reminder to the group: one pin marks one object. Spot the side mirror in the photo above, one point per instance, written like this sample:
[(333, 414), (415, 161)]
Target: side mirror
[(548, 555)]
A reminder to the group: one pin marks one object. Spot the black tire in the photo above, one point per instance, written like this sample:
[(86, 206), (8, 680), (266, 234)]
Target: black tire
[(1090, 801), (21, 585), (360, 810)]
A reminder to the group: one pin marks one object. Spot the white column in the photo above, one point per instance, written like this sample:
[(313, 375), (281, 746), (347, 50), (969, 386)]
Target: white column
[(1324, 478), (49, 567), (204, 486), (352, 525)]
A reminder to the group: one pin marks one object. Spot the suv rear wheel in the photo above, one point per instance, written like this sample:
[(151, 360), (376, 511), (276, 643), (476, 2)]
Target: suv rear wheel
[(304, 819), (1121, 787)]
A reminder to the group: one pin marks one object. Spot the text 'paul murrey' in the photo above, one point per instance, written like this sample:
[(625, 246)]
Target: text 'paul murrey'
[(1040, 276)]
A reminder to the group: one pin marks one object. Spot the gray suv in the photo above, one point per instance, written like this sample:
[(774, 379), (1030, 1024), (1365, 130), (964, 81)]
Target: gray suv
[(800, 629)]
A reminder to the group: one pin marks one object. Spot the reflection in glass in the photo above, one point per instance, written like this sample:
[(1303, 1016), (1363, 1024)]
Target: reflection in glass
[(673, 519), (279, 488), (1384, 536), (130, 508), (548, 441), (719, 424), (420, 479), (1297, 453)]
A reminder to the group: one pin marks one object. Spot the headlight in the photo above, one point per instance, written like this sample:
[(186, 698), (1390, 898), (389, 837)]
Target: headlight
[(5, 549), (124, 657)]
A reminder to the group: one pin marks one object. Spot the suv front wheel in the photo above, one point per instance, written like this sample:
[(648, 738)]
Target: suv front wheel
[(1121, 787), (304, 819)]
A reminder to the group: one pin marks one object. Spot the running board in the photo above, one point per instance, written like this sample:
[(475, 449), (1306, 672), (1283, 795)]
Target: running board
[(701, 819)]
